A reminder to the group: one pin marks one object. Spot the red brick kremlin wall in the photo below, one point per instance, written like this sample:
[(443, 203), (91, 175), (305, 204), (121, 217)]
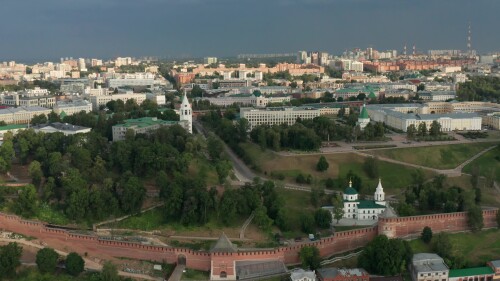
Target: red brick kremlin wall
[(338, 243)]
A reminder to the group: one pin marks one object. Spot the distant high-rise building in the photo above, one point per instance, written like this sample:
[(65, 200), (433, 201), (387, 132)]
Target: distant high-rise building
[(301, 57), (209, 60), (81, 64)]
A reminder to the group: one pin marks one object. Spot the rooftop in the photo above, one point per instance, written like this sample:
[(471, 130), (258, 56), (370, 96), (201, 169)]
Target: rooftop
[(13, 127), (428, 262), (333, 272), (368, 204), (61, 126), (145, 122), (485, 270), (223, 245)]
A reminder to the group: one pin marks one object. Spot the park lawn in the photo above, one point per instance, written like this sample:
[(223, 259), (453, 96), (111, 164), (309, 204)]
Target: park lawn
[(296, 203), (394, 176), (487, 164), (438, 156), (477, 248)]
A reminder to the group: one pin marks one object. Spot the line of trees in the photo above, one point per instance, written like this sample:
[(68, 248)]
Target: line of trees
[(90, 178), (480, 88)]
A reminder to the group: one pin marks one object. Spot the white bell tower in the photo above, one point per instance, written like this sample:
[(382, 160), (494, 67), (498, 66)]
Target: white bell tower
[(379, 193), (186, 114)]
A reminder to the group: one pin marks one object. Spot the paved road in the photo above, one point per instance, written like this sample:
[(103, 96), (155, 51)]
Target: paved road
[(177, 274)]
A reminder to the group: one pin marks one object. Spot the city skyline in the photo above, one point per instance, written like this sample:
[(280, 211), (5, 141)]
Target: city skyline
[(194, 28)]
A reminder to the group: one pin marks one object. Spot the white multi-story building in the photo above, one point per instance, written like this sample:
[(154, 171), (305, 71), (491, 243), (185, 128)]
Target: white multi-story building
[(209, 60), (22, 115), (97, 101), (123, 61), (71, 107), (492, 120), (357, 66), (132, 79), (401, 116), (158, 98), (287, 115), (32, 97), (437, 95)]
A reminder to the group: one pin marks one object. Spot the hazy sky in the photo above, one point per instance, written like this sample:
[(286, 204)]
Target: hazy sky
[(49, 29)]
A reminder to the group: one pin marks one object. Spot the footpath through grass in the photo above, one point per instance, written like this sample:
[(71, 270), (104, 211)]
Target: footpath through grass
[(477, 248), (436, 156)]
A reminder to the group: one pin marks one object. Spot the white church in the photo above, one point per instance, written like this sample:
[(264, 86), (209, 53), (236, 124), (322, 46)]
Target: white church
[(354, 208)]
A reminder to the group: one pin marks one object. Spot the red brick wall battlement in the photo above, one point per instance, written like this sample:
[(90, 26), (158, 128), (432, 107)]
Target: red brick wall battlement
[(340, 242)]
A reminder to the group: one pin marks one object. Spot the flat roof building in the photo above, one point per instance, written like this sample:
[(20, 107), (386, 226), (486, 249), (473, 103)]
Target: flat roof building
[(428, 267), (143, 125)]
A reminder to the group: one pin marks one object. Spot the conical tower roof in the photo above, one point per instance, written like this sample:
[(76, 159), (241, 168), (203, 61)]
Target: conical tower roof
[(223, 245), (364, 113)]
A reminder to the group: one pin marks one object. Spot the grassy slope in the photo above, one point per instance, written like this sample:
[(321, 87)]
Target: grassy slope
[(439, 156), (395, 176), (477, 248), (487, 164)]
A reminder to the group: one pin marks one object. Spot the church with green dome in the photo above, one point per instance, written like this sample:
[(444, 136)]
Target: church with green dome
[(354, 208), (363, 118)]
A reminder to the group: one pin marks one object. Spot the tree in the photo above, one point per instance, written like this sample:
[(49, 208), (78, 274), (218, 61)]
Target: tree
[(371, 167), (132, 195), (109, 272), (10, 256), (38, 119), (310, 258), (35, 171), (338, 208), (385, 256), (426, 235), (422, 129), (323, 218), (474, 179), (6, 154), (262, 219), (214, 147), (26, 204), (307, 223), (435, 129), (222, 168), (74, 264), (498, 219), (46, 260), (322, 164), (442, 245), (475, 218), (411, 131)]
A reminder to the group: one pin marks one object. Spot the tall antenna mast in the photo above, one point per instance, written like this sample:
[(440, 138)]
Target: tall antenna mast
[(469, 44)]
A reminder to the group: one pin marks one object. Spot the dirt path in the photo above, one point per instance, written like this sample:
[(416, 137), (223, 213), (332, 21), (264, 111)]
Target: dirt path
[(245, 225), (456, 172)]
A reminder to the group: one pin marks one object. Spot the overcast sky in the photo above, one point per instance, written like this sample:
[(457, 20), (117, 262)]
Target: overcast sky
[(49, 29)]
